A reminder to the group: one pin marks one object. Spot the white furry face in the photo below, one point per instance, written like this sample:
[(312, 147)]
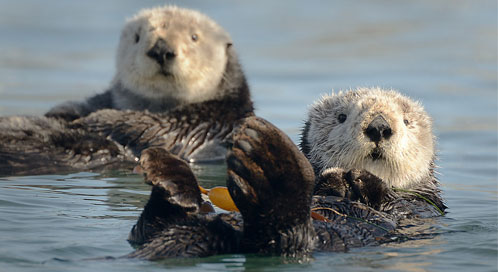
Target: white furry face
[(200, 56), (338, 135)]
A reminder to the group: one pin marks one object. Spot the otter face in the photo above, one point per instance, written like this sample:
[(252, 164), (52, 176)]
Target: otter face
[(170, 52), (380, 131)]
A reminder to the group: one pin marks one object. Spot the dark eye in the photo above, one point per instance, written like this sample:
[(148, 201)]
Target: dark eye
[(195, 37), (406, 122), (342, 117), (137, 38)]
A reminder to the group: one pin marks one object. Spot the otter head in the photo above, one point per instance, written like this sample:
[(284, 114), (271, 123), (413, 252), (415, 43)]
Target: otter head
[(169, 52), (380, 131)]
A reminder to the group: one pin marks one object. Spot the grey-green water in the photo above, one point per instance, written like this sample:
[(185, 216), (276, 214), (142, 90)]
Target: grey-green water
[(441, 52)]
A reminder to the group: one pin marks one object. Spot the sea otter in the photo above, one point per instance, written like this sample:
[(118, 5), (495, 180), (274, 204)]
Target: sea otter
[(168, 57), (378, 132), (179, 76), (272, 184)]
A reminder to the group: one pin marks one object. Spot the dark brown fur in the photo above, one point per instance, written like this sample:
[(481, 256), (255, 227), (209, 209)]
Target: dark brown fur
[(111, 139), (271, 183)]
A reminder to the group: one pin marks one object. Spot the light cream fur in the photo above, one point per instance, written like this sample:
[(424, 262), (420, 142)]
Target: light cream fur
[(407, 156), (198, 67)]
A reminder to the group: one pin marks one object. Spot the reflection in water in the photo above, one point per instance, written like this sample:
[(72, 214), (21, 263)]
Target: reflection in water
[(423, 247), (425, 240), (131, 189)]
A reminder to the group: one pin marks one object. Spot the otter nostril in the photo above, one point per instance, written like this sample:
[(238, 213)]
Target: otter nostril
[(170, 55), (387, 133), (373, 133)]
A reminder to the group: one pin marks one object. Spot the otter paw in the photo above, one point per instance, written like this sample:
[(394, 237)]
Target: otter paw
[(332, 183), (356, 185), (175, 194), (171, 177), (268, 177), (369, 188)]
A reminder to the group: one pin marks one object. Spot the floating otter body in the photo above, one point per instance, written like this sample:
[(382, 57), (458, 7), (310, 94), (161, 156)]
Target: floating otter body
[(112, 139), (276, 188), (176, 64), (167, 57), (271, 183)]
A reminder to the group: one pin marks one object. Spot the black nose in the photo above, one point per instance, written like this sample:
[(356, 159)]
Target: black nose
[(377, 129), (161, 52)]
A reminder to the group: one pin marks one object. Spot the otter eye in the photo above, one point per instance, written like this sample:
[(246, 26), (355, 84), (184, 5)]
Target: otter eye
[(406, 122), (342, 118), (137, 38), (195, 37)]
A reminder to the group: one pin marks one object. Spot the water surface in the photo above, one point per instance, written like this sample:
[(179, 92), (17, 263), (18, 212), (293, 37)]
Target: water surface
[(441, 52)]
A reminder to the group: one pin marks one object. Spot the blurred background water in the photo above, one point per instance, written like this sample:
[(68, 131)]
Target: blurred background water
[(441, 52)]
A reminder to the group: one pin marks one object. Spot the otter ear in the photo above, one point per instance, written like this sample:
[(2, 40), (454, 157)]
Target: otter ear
[(229, 45)]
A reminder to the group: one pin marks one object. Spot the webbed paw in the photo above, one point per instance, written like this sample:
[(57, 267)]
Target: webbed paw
[(175, 194), (271, 182), (172, 176)]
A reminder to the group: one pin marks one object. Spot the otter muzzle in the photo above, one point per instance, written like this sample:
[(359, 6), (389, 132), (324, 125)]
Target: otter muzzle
[(161, 52)]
